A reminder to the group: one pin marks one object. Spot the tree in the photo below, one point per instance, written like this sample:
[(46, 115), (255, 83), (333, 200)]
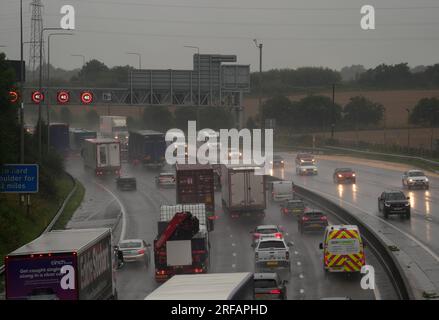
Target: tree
[(92, 119), (316, 112), (215, 118), (183, 115), (157, 118), (279, 108), (361, 110), (426, 112), (65, 115), (352, 73), (95, 72)]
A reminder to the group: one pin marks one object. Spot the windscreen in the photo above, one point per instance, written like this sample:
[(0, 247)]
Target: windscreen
[(271, 245), (132, 244), (267, 231), (265, 283), (395, 196), (416, 174)]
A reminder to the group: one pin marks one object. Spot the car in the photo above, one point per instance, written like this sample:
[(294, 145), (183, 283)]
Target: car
[(296, 207), (312, 220), (269, 286), (234, 154), (304, 157), (126, 183), (266, 231), (278, 161), (415, 178), (282, 190), (271, 252), (394, 202), (135, 250), (165, 179), (344, 175), (306, 168)]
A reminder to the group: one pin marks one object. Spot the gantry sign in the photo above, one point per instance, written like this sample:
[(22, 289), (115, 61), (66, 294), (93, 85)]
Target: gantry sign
[(214, 81)]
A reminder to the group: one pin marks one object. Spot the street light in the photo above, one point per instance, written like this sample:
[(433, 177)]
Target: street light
[(199, 80), (259, 46), (48, 83), (408, 129), (139, 56), (40, 149)]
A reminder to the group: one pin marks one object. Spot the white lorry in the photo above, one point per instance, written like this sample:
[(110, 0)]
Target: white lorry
[(114, 127), (102, 155), (243, 191), (282, 190)]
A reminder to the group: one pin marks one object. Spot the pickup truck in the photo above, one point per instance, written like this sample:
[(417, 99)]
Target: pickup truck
[(271, 252)]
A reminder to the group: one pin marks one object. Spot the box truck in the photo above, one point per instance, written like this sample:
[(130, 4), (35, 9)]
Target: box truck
[(195, 184), (243, 192), (63, 265), (182, 243), (114, 127), (77, 137), (59, 137), (147, 147), (102, 155)]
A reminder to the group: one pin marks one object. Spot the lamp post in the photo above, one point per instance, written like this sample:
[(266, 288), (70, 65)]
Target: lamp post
[(48, 83), (40, 149), (139, 56), (408, 129), (21, 86), (199, 80), (259, 46)]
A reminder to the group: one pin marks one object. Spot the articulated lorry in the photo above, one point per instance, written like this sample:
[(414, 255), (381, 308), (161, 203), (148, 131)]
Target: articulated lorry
[(195, 184), (102, 155), (114, 127), (77, 137), (59, 137), (63, 265), (147, 147), (243, 191), (182, 244)]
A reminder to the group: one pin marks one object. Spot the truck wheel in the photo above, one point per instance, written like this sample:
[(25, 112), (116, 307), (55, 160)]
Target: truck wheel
[(386, 215)]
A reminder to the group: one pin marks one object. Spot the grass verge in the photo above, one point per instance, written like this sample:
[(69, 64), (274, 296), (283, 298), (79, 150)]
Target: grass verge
[(70, 208)]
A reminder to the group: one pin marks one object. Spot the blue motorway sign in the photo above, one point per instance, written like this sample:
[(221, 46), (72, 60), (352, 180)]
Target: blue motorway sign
[(19, 178)]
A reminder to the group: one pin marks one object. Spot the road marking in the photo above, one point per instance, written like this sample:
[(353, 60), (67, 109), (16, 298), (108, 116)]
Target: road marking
[(296, 252), (299, 263), (435, 256), (301, 276), (233, 265), (302, 291), (287, 234), (233, 244), (231, 236), (122, 208), (234, 254)]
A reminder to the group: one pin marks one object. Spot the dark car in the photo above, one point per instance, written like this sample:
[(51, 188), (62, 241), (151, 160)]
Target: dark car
[(278, 162), (312, 220), (126, 183), (394, 202), (296, 207), (268, 286), (344, 175)]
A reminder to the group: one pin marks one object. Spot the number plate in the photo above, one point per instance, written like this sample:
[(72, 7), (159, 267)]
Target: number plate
[(272, 263)]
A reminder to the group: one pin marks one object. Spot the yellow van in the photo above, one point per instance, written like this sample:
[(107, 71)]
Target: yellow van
[(343, 249)]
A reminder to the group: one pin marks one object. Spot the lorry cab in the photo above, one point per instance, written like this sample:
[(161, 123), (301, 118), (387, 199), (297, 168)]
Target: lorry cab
[(343, 249)]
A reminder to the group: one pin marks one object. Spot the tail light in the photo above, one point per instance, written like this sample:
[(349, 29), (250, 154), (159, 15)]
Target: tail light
[(305, 218), (287, 255), (278, 235), (324, 218), (141, 251), (275, 291), (160, 272), (285, 210), (256, 255), (198, 270), (257, 235)]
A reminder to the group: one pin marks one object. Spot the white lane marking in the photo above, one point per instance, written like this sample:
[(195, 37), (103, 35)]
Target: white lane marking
[(233, 244), (234, 254), (122, 208), (301, 276), (233, 265), (299, 263), (434, 255), (231, 236), (296, 252), (302, 291), (287, 234)]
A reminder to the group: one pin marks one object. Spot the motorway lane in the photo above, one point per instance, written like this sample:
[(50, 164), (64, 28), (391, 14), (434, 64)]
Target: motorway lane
[(230, 243), (371, 181)]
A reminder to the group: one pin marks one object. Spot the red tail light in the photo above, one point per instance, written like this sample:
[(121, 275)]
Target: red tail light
[(324, 218), (275, 291), (160, 272), (285, 210), (198, 270), (257, 235), (278, 235), (305, 218), (142, 251), (287, 255)]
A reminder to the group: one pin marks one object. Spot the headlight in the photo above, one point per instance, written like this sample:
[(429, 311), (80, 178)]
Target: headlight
[(340, 176), (283, 162), (410, 180), (315, 169), (126, 137), (240, 154), (116, 137), (353, 174), (387, 205), (426, 179), (407, 204), (271, 162)]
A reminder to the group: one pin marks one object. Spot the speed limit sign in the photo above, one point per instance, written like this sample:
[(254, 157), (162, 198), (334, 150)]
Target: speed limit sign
[(86, 97)]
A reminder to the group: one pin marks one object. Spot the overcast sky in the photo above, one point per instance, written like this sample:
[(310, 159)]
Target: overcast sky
[(294, 33)]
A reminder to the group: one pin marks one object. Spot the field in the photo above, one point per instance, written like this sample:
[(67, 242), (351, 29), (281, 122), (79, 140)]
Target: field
[(395, 101)]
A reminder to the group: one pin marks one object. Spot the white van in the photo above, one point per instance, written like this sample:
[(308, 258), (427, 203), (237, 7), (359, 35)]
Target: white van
[(282, 190)]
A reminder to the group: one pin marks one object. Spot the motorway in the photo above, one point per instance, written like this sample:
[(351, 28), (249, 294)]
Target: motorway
[(420, 233), (230, 241)]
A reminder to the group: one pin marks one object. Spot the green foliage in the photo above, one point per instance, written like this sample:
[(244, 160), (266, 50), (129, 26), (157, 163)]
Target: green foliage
[(361, 110), (183, 115), (316, 112), (215, 118), (426, 112), (157, 118)]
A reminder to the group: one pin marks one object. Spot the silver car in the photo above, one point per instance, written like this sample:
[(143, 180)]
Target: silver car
[(135, 250)]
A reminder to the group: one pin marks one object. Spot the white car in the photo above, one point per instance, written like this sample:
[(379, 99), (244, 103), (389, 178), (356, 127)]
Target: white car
[(165, 179), (234, 154), (135, 250), (306, 169), (415, 178), (271, 252), (264, 231)]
